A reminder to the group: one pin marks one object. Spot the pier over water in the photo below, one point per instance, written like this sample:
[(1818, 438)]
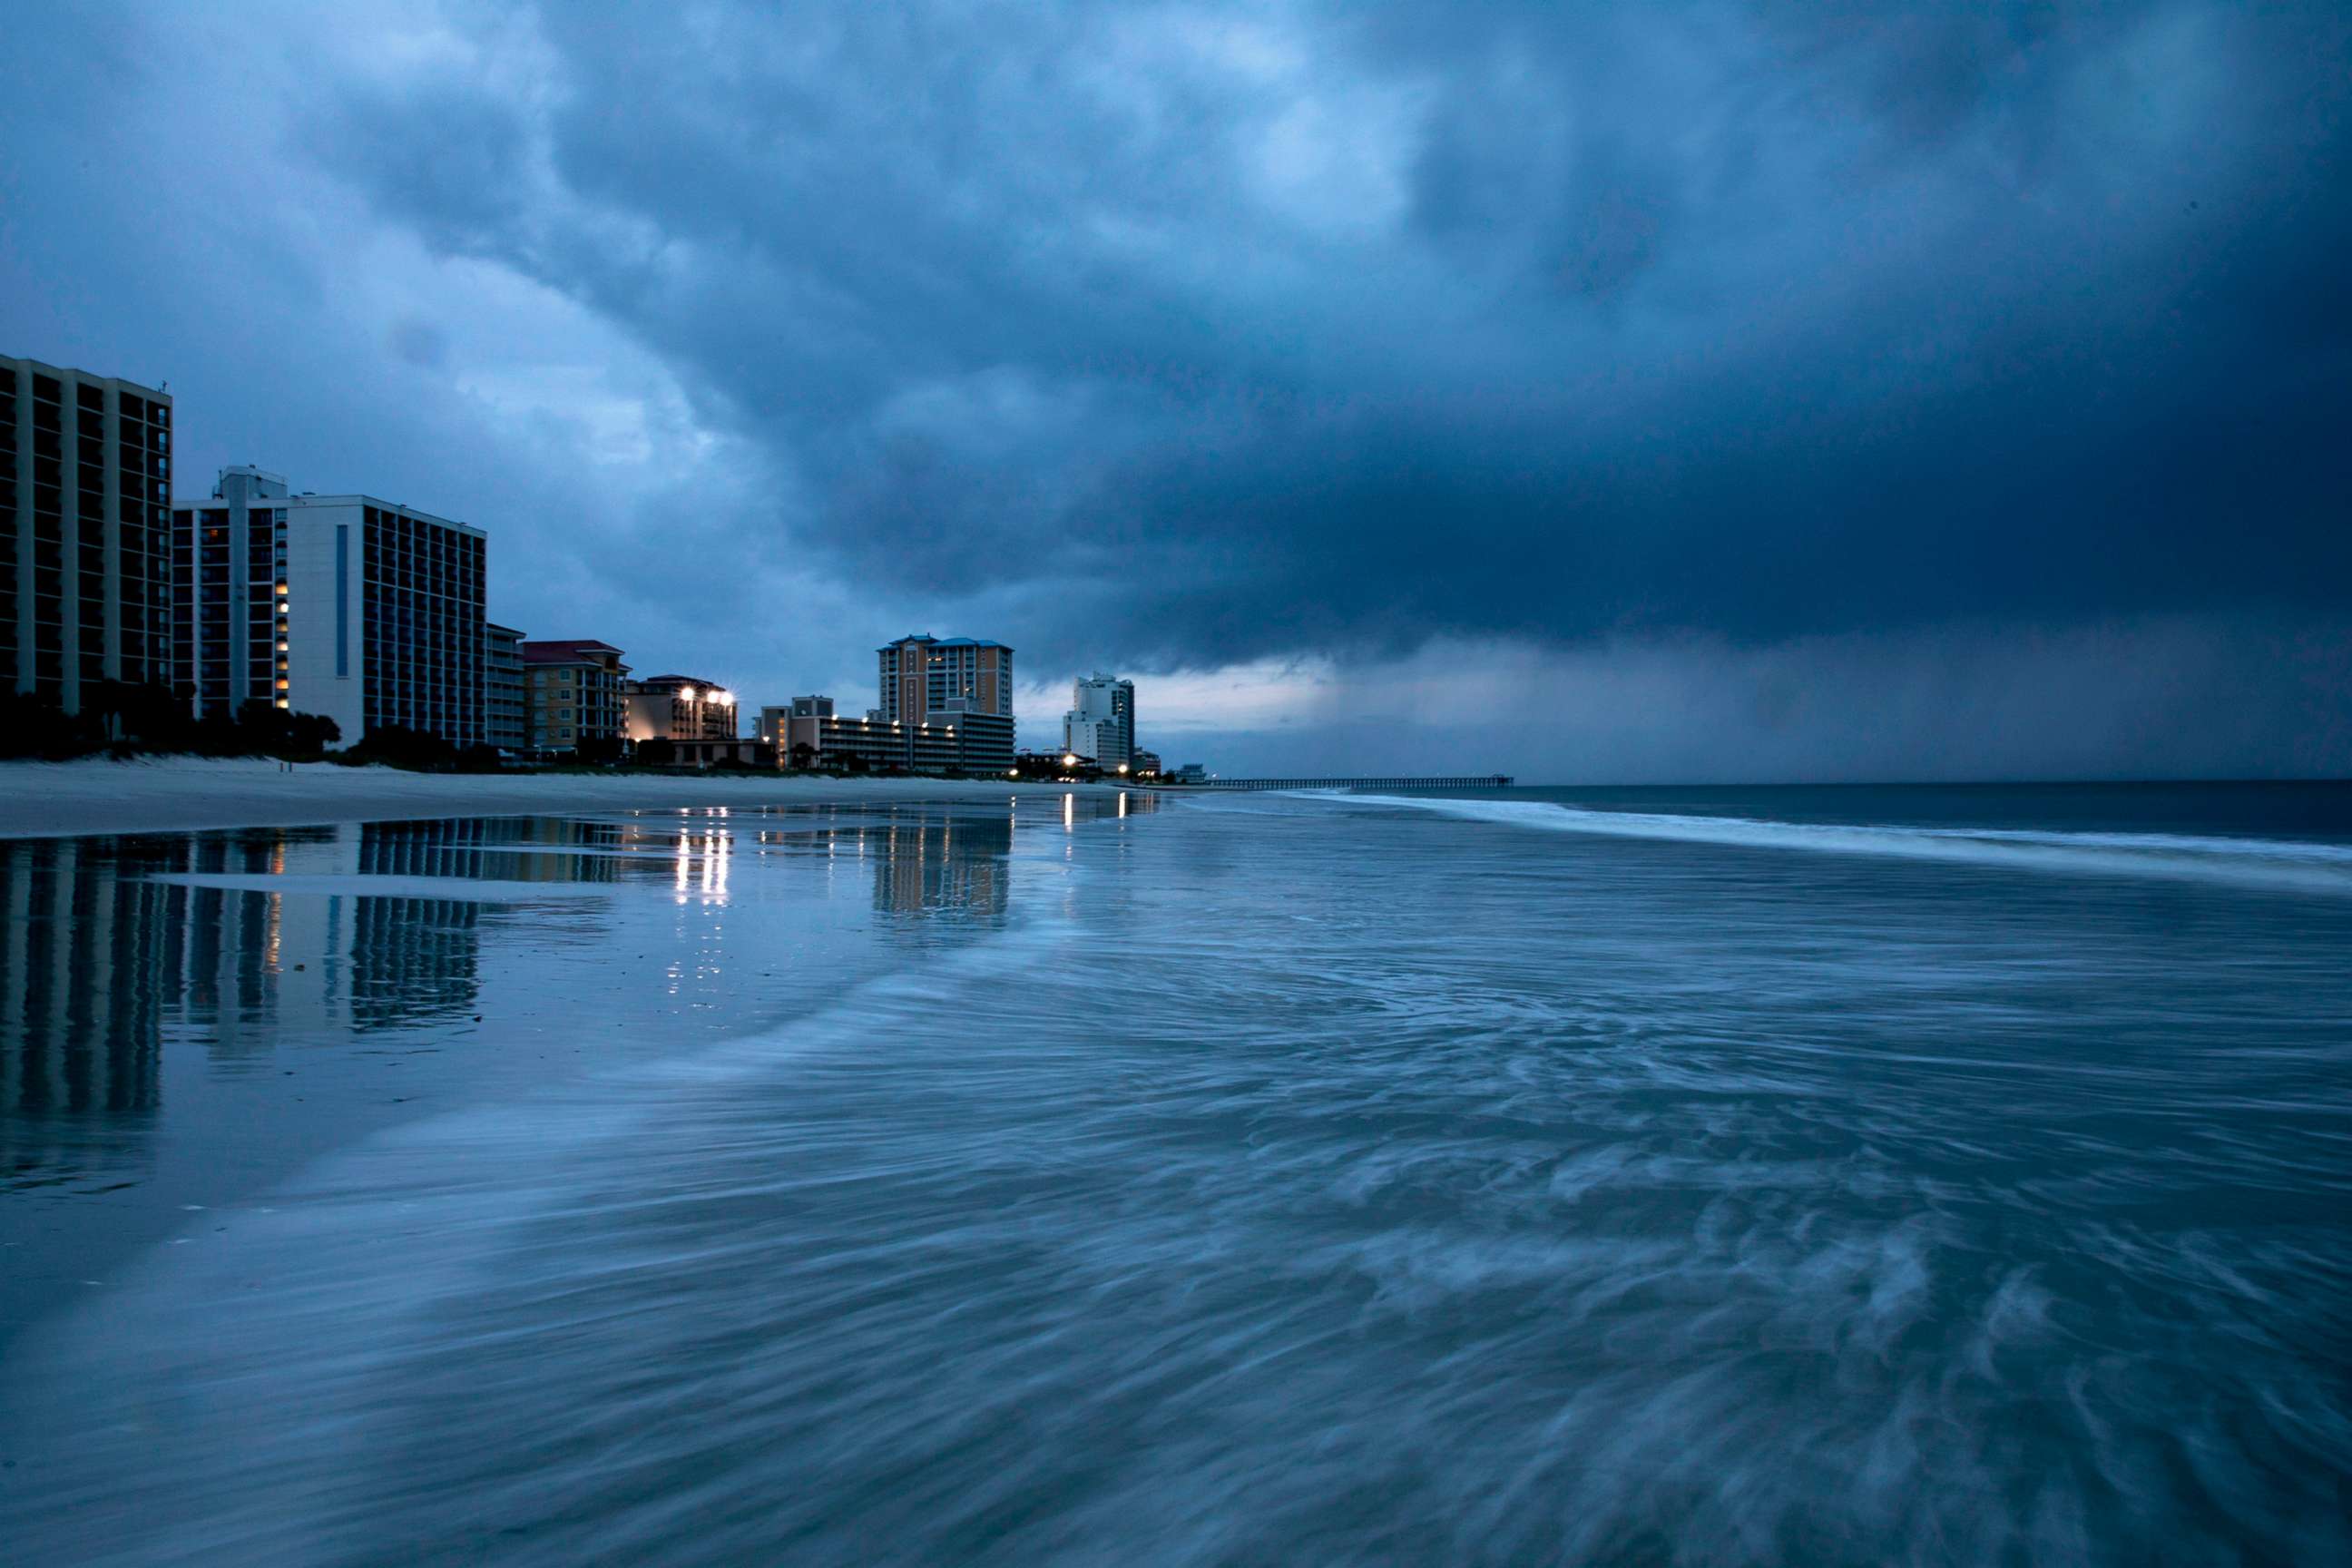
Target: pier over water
[(1467, 781)]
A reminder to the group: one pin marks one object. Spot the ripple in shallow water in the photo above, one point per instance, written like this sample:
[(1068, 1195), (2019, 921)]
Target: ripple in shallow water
[(1630, 1212)]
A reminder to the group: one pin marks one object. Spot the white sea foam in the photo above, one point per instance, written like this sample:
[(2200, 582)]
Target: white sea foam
[(2290, 865)]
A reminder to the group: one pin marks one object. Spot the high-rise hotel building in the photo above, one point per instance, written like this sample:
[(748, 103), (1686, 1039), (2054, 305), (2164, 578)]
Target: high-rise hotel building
[(363, 611), (85, 571), (1100, 724), (961, 684)]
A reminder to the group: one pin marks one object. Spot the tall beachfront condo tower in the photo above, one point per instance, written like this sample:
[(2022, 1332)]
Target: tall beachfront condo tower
[(85, 531), (961, 682), (361, 610), (229, 620), (1100, 723)]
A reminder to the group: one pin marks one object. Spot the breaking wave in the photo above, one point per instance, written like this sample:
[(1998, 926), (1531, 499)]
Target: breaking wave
[(2286, 865)]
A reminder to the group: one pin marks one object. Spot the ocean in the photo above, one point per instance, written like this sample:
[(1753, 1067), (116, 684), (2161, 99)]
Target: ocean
[(1674, 1177)]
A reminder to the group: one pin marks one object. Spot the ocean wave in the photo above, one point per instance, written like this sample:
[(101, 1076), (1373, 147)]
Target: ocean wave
[(2285, 864)]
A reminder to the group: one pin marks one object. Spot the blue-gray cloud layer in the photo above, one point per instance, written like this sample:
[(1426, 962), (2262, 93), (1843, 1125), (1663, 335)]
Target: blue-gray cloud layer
[(1179, 336), (1284, 330)]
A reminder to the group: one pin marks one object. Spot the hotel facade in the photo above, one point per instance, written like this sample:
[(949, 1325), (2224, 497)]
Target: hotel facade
[(573, 694), (365, 611), (976, 745), (677, 707), (85, 531), (959, 686), (1100, 724), (774, 723), (504, 716)]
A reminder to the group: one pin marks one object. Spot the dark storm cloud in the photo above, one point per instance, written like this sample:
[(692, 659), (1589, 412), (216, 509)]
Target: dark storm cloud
[(1184, 335)]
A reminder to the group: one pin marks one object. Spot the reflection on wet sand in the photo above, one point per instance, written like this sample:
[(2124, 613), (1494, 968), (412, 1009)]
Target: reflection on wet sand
[(81, 964), (935, 862), (108, 958)]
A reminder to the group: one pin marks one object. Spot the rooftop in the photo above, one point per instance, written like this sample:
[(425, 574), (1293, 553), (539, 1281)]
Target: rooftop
[(44, 367), (562, 651), (943, 642)]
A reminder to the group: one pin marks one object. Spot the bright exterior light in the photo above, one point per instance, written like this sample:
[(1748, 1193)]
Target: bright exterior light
[(1122, 767), (686, 694), (721, 697), (1069, 759)]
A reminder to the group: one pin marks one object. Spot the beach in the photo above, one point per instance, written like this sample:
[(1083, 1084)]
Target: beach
[(184, 793), (1843, 1176)]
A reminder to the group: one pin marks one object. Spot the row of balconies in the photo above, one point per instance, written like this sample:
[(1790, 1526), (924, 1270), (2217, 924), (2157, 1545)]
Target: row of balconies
[(391, 532)]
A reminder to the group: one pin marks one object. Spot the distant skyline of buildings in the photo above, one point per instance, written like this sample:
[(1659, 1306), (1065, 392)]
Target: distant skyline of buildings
[(945, 706), (374, 614)]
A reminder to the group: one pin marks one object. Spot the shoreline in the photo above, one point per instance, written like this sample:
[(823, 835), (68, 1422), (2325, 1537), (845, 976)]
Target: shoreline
[(183, 795)]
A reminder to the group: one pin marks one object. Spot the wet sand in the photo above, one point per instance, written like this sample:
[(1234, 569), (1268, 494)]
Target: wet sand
[(177, 794)]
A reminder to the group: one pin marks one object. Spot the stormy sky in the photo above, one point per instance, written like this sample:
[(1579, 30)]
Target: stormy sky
[(1597, 393)]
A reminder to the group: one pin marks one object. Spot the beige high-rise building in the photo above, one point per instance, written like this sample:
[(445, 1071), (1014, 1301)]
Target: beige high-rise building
[(85, 531), (962, 684), (929, 680)]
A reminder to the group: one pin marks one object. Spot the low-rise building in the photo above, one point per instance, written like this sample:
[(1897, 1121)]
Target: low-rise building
[(572, 690), (774, 721), (976, 743), (736, 753)]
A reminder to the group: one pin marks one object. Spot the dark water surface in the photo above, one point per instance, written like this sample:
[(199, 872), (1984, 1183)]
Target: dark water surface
[(1675, 1177)]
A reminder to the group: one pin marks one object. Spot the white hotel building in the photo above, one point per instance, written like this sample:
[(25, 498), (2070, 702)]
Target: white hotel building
[(361, 610), (1100, 724)]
